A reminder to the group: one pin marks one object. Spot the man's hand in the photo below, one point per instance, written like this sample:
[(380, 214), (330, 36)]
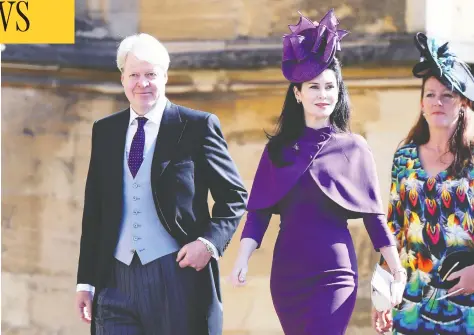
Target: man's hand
[(466, 281), (193, 254), (84, 305)]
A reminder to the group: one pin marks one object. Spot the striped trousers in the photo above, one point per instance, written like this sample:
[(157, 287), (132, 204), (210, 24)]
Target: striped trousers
[(158, 298)]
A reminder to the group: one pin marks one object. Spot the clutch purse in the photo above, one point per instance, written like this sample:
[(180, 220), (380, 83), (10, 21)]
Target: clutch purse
[(381, 289), (452, 263)]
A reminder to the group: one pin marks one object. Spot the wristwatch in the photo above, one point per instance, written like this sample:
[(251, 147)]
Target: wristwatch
[(208, 247)]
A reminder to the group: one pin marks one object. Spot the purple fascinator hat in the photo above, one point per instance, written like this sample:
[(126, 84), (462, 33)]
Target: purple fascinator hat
[(310, 47), (440, 61)]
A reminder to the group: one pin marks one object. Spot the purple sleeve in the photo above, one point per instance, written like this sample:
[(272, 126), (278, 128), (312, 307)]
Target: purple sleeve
[(256, 225), (379, 233)]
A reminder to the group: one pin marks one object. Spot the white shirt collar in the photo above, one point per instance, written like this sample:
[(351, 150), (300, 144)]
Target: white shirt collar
[(154, 115)]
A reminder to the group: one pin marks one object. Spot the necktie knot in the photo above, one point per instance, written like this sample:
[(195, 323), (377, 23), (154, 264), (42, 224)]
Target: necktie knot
[(141, 121)]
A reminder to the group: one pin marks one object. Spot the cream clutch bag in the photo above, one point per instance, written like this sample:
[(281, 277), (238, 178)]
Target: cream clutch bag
[(381, 289)]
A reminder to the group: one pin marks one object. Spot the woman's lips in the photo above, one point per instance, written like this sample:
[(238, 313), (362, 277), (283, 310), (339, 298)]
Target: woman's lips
[(322, 105)]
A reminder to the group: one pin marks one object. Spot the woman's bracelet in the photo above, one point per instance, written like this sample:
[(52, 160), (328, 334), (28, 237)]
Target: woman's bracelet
[(402, 270)]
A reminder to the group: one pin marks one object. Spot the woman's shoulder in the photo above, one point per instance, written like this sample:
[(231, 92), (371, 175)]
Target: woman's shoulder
[(405, 147), (356, 140), (408, 151), (351, 141)]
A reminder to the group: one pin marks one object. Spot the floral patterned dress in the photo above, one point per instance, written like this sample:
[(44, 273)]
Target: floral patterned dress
[(431, 217)]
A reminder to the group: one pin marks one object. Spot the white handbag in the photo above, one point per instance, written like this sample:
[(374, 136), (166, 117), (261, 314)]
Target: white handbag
[(381, 289)]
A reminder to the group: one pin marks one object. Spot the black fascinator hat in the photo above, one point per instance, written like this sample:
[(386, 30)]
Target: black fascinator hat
[(441, 62)]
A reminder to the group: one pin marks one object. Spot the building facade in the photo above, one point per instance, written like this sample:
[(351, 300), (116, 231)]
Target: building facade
[(225, 58)]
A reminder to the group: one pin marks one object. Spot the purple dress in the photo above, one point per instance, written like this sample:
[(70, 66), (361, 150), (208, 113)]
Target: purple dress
[(314, 270)]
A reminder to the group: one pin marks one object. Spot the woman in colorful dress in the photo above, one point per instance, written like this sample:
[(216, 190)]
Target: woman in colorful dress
[(431, 208), (316, 175)]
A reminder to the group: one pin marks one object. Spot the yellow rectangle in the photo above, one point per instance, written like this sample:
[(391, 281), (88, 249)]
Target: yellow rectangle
[(37, 21)]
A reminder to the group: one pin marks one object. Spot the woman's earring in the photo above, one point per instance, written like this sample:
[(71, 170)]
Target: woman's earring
[(298, 100)]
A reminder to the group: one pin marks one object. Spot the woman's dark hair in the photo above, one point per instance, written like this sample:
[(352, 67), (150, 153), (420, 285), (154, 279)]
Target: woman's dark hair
[(291, 122), (460, 144)]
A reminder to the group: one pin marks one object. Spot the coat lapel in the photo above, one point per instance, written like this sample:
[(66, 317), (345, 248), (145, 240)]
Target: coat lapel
[(169, 135), (116, 154)]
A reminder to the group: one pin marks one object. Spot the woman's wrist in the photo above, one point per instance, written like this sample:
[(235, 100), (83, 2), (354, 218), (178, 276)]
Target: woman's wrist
[(399, 274), (243, 257)]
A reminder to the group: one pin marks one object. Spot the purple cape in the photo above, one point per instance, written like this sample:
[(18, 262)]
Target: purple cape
[(341, 164)]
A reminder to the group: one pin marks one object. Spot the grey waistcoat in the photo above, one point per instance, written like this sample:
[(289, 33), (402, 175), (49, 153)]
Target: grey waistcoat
[(141, 230)]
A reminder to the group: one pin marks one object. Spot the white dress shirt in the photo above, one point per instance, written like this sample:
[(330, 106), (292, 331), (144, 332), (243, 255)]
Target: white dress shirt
[(151, 129)]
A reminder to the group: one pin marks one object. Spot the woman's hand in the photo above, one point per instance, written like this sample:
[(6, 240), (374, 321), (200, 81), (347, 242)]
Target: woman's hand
[(397, 287), (382, 321), (466, 281), (238, 277), (390, 254)]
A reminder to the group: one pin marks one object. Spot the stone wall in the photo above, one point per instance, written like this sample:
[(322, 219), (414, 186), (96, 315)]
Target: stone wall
[(214, 19), (46, 134), (45, 154)]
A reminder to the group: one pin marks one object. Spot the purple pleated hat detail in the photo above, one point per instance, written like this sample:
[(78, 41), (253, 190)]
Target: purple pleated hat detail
[(310, 47)]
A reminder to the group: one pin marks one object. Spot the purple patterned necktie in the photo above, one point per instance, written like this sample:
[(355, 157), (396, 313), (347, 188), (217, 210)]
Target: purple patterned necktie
[(135, 157)]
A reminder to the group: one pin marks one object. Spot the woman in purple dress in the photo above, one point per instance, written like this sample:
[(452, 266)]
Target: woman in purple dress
[(316, 175)]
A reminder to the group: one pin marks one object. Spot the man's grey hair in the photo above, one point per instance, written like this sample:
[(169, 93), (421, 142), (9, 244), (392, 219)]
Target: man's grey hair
[(145, 47)]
